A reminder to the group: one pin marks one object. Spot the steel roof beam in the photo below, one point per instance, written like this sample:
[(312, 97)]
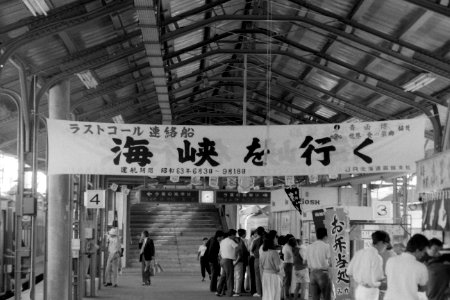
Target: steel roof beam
[(89, 53), (430, 57), (195, 11), (95, 63), (315, 118), (439, 67), (117, 105), (347, 109), (385, 83), (378, 89), (370, 114), (433, 6), (49, 28)]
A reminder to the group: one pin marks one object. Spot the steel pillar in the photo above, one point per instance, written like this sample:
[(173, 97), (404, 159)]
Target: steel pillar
[(59, 218)]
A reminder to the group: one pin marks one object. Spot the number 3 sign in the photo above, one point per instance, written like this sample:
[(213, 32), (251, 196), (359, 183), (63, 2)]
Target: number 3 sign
[(382, 210), (94, 199)]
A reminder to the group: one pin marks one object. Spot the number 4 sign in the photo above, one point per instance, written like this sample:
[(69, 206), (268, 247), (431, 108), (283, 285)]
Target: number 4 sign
[(94, 199)]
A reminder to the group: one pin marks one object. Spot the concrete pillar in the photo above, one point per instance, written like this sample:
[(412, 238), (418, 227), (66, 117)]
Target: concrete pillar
[(59, 234)]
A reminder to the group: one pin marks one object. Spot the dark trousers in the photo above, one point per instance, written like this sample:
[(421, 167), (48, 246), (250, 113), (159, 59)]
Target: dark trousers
[(215, 272), (258, 275), (287, 279), (145, 268), (251, 265), (227, 277), (320, 284), (204, 266)]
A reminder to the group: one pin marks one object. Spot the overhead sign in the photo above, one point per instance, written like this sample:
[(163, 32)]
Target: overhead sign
[(171, 196), (436, 212), (253, 197), (433, 174), (382, 210), (166, 150), (94, 198)]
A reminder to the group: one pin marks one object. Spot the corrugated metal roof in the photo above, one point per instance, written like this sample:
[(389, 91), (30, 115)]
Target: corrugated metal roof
[(311, 55)]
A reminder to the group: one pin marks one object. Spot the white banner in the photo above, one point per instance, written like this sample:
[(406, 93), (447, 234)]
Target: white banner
[(165, 150)]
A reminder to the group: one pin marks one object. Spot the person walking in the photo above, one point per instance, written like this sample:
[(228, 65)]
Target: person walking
[(318, 257), (204, 264), (406, 276), (251, 263), (269, 264), (240, 263), (301, 272), (288, 264), (146, 255), (366, 267), (228, 256), (257, 243), (212, 254), (113, 261)]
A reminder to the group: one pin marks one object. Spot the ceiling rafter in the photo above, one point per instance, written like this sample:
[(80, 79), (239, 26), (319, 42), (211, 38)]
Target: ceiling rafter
[(385, 90), (439, 67), (369, 113), (385, 83), (51, 28)]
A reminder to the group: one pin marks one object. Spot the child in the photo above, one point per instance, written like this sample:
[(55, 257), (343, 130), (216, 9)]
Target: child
[(204, 265)]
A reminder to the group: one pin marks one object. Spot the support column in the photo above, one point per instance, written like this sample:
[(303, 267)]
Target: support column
[(59, 234)]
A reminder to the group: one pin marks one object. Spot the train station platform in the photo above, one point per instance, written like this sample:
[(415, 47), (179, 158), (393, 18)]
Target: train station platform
[(165, 286)]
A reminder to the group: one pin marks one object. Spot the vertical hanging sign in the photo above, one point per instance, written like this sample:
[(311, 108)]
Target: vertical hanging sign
[(337, 224)]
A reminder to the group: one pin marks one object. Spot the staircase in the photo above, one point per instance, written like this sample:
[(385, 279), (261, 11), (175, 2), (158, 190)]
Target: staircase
[(177, 230)]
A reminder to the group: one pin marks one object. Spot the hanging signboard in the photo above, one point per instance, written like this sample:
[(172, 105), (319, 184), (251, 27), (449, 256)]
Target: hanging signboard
[(253, 197), (165, 150), (433, 174), (436, 211), (170, 196), (337, 224), (94, 198)]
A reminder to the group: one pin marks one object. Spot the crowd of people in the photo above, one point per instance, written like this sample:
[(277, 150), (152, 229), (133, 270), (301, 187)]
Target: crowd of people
[(262, 266), (384, 272), (280, 267)]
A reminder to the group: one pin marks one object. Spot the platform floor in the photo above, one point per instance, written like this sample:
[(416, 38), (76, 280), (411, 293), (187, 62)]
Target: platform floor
[(165, 286)]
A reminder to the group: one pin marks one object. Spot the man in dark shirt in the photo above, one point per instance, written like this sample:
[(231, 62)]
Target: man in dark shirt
[(438, 272), (212, 254), (260, 232)]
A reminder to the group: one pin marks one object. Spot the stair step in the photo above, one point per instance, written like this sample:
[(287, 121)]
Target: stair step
[(177, 231)]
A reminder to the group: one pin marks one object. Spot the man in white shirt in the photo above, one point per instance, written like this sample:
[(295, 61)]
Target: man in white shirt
[(366, 267), (288, 264), (112, 264), (406, 276), (318, 257), (228, 255)]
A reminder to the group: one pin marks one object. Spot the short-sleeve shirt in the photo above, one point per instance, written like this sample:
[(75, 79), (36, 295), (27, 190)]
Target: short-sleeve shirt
[(287, 254), (318, 255), (228, 248), (366, 267), (404, 274), (202, 250)]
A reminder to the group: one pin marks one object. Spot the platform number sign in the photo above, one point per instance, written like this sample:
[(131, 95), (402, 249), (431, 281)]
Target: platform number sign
[(382, 210), (94, 199)]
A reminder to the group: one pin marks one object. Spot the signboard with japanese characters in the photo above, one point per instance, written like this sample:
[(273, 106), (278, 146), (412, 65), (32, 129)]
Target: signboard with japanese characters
[(170, 196), (166, 150), (337, 224), (253, 197), (433, 174), (436, 211)]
